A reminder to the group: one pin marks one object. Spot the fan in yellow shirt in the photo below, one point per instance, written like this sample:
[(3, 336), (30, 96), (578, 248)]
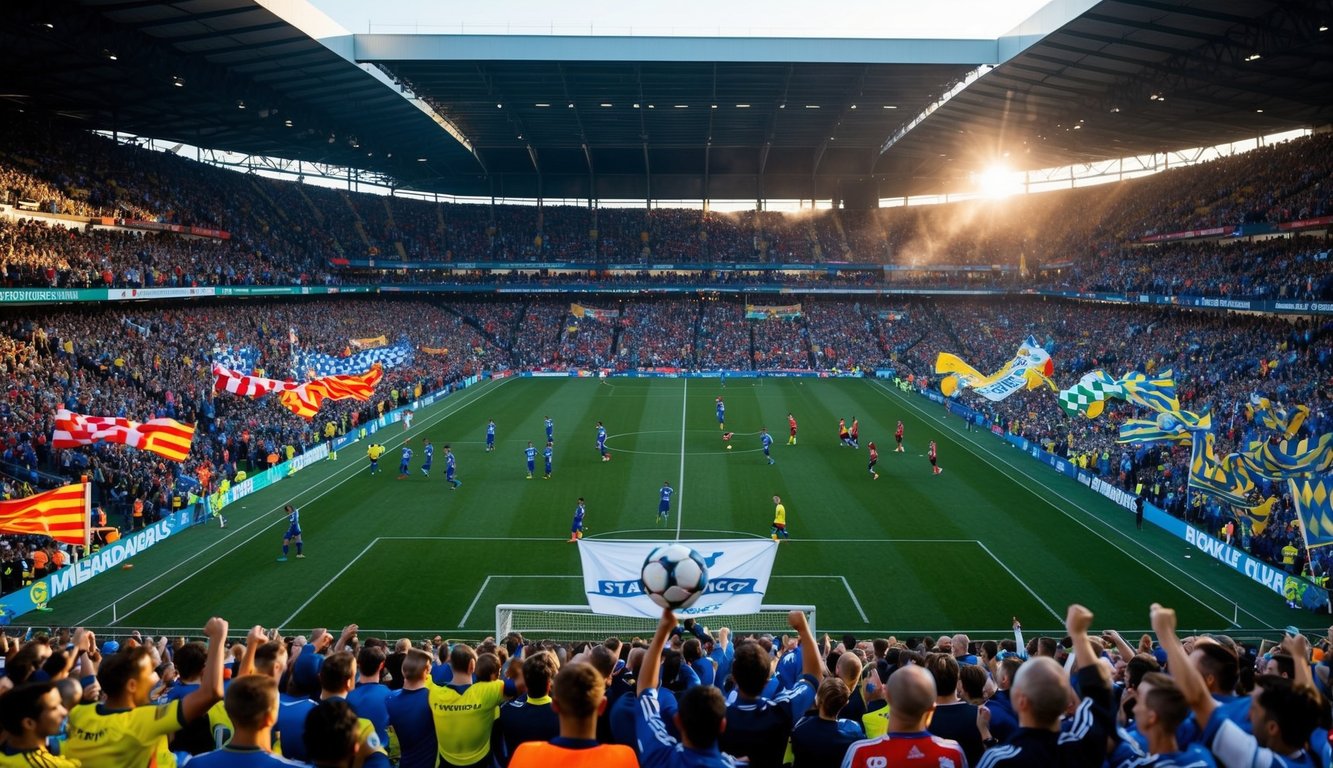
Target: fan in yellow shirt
[(465, 711), (126, 730), (31, 713)]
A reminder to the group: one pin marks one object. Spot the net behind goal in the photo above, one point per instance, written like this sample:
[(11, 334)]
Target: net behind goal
[(578, 622)]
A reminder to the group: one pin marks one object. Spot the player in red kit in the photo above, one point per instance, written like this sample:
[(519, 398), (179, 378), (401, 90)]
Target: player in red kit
[(898, 435), (856, 433), (874, 459), (791, 422), (934, 468)]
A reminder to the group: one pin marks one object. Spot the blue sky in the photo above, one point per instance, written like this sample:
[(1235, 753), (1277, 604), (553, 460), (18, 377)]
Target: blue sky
[(780, 18)]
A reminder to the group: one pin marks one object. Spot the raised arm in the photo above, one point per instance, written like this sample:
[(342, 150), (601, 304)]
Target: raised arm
[(256, 638), (1298, 647), (652, 662), (1125, 650), (196, 703), (1178, 664), (1077, 622), (812, 663)]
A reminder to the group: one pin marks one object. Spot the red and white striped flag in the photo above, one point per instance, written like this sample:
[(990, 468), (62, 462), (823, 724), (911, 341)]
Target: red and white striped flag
[(246, 385), (165, 437)]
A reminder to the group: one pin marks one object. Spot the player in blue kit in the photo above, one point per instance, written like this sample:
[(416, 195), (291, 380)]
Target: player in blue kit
[(550, 430), (601, 442), (531, 454), (490, 435), (721, 414), (429, 451), (576, 527), (407, 459), (664, 505), (450, 468), (766, 440), (549, 454), (293, 534)]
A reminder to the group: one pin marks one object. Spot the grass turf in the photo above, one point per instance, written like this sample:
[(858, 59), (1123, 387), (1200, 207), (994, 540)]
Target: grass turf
[(995, 536)]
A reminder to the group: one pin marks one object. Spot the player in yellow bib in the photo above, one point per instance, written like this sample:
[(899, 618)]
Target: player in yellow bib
[(126, 730), (464, 711), (779, 520)]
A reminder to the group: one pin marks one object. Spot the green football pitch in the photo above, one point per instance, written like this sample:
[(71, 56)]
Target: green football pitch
[(996, 536)]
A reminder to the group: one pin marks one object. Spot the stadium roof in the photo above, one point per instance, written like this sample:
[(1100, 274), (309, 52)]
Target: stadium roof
[(716, 117)]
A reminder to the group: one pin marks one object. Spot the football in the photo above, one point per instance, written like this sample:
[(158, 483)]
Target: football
[(674, 576), (728, 447)]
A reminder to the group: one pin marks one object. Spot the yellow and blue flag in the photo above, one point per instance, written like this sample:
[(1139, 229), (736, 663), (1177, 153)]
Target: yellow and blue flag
[(1156, 392), (1227, 479), (1178, 427), (1313, 499), (1285, 421), (1258, 516), (1291, 457)]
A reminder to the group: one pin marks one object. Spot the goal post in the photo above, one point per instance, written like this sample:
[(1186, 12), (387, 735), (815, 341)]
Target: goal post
[(578, 622)]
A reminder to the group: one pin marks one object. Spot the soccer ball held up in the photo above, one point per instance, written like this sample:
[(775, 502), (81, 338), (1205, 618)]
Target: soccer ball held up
[(674, 576)]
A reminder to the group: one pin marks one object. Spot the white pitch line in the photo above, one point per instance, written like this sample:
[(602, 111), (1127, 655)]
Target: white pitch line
[(1022, 583), (978, 450), (463, 622), (475, 598), (328, 583), (236, 531), (855, 602), (680, 484)]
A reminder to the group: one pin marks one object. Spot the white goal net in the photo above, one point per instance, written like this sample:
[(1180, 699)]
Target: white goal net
[(578, 622)]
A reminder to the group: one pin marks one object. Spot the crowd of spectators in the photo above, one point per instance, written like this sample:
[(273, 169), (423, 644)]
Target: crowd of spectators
[(724, 337), (659, 334), (686, 697), (284, 232), (587, 342), (842, 336), (780, 343), (143, 363), (1219, 362)]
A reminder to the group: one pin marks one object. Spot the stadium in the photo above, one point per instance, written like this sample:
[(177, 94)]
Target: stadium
[(1000, 323)]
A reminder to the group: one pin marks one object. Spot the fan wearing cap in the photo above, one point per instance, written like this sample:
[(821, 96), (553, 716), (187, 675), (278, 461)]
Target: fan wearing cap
[(126, 729)]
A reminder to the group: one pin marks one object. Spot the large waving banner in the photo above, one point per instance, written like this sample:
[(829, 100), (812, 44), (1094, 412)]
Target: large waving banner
[(1030, 368), (738, 572)]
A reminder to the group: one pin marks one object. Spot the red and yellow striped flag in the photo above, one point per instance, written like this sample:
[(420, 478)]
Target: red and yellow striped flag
[(305, 400), (61, 514), (167, 437)]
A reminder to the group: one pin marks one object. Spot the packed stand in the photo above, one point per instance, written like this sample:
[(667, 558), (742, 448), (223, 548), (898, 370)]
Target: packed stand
[(587, 343), (657, 334), (723, 339), (781, 343), (843, 336), (1219, 362), (538, 336), (289, 232), (142, 363)]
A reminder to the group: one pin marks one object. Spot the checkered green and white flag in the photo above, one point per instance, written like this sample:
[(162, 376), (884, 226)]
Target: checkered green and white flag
[(1087, 396)]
